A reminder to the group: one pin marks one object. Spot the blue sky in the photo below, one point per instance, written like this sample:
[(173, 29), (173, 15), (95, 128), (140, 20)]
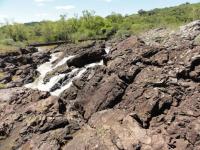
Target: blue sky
[(36, 10)]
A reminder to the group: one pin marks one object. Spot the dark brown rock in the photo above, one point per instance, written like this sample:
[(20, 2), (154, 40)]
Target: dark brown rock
[(146, 96), (105, 95), (86, 57)]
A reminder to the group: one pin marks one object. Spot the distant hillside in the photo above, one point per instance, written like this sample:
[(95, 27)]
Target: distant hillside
[(90, 26)]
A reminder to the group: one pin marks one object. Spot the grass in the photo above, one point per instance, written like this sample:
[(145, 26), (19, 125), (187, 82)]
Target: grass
[(47, 48), (7, 48), (85, 43), (9, 45)]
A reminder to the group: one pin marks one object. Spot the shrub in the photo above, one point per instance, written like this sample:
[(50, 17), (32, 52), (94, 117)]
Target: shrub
[(122, 34), (90, 26)]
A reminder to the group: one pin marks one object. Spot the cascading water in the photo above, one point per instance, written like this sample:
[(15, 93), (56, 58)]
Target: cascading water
[(44, 69), (80, 73), (63, 61), (71, 76)]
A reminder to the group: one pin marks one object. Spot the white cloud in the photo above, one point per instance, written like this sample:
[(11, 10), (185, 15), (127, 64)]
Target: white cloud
[(66, 7), (107, 0), (43, 1)]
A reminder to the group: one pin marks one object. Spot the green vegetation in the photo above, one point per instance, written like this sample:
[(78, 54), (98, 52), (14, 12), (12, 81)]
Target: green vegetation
[(7, 48), (91, 26)]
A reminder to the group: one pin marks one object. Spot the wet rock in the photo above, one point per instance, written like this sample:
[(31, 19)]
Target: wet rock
[(40, 57), (59, 70), (28, 50), (20, 67), (86, 57)]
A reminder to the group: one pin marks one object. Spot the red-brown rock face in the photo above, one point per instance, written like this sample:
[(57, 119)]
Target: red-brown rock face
[(145, 96)]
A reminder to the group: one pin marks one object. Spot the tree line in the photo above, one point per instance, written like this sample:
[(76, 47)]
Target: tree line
[(91, 26)]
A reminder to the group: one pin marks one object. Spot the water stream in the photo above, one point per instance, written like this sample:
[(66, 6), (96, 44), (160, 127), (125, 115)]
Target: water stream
[(49, 66)]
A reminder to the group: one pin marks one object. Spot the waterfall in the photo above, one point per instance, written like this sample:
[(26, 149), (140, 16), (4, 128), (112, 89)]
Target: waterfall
[(44, 69), (81, 71), (49, 66)]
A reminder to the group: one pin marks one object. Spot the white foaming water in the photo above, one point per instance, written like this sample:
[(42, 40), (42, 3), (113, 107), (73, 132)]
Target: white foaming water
[(51, 83), (43, 70), (107, 49), (80, 73), (63, 61), (48, 66), (94, 64), (59, 91), (40, 49)]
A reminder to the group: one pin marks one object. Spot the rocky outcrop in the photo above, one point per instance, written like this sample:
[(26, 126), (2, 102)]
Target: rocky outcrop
[(30, 117), (86, 57), (81, 54), (19, 68), (145, 96), (158, 107)]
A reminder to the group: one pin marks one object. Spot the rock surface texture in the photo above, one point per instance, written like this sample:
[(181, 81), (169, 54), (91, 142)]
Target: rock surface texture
[(19, 68), (146, 96)]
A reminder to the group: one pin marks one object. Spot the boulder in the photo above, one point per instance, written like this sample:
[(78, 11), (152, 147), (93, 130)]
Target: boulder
[(86, 57)]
